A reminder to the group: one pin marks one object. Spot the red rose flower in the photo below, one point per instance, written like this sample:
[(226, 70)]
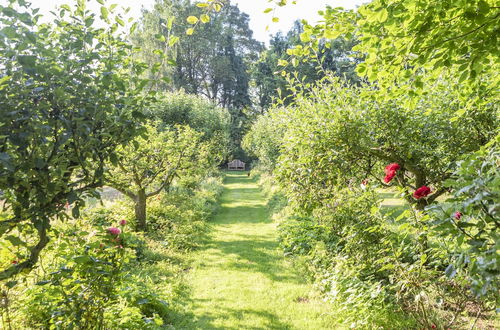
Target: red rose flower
[(364, 182), (390, 172), (457, 215), (392, 167), (423, 191), (123, 222), (114, 231), (389, 176), (15, 262)]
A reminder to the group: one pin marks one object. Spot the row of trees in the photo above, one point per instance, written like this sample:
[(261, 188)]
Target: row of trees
[(422, 123), (79, 112)]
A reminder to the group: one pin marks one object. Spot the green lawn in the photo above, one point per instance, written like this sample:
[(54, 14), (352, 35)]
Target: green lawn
[(239, 280)]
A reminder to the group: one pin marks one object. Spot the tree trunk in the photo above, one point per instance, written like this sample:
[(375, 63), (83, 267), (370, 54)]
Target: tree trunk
[(140, 211)]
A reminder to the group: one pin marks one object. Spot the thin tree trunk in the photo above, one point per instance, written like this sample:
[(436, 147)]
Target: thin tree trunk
[(140, 210)]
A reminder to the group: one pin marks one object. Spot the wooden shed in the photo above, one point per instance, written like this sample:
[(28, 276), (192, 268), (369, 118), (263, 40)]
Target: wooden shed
[(236, 165)]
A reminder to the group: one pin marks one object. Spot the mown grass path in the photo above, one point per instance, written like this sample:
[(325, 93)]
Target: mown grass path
[(239, 280)]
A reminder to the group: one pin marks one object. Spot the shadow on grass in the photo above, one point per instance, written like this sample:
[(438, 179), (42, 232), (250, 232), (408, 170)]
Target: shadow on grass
[(238, 251), (208, 320), (254, 256)]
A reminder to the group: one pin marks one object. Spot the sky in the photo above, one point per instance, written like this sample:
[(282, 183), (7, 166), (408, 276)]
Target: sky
[(304, 9)]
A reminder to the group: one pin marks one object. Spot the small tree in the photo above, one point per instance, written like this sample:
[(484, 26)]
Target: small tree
[(68, 93), (151, 163), (342, 134)]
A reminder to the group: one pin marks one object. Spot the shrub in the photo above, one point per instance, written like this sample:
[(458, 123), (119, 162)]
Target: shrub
[(469, 220), (89, 285)]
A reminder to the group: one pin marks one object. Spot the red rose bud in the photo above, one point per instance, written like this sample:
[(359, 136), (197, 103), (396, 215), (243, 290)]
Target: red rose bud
[(123, 222), (423, 191), (15, 262), (458, 215)]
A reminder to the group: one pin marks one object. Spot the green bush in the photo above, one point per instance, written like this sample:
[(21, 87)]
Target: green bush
[(469, 220), (89, 285)]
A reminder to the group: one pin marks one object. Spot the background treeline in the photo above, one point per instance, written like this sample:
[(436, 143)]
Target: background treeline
[(225, 64)]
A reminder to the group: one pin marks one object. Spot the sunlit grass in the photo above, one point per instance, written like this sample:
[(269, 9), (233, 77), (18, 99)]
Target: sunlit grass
[(240, 279)]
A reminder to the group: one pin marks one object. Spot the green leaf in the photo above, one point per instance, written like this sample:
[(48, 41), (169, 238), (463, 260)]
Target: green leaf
[(268, 10), (133, 27), (104, 12), (305, 36), (172, 41), (160, 37), (170, 22), (205, 18), (81, 259), (382, 15), (4, 79), (192, 19), (119, 21)]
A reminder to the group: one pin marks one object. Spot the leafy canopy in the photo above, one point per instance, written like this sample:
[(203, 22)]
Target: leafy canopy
[(69, 95)]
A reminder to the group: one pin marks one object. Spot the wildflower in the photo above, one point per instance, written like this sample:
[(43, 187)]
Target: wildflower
[(364, 182), (15, 262), (457, 215), (123, 222), (114, 231), (423, 191)]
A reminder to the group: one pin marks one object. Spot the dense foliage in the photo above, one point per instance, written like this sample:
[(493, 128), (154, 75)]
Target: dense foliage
[(376, 134), (272, 80), (211, 121), (74, 103), (67, 102), (337, 148)]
